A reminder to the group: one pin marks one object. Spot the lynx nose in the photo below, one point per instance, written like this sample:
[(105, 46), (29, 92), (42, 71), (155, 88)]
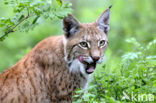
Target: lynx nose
[(95, 58)]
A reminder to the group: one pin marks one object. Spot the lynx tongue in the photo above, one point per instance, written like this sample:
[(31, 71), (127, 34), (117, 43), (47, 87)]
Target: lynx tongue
[(90, 68), (81, 59)]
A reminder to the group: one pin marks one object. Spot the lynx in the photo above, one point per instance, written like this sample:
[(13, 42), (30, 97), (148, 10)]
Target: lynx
[(58, 65)]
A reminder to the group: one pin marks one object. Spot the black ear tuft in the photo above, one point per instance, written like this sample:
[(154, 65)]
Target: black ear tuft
[(70, 26), (103, 21), (110, 6)]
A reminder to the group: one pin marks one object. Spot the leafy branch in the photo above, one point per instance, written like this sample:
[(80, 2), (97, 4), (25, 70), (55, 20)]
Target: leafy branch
[(35, 9), (12, 29)]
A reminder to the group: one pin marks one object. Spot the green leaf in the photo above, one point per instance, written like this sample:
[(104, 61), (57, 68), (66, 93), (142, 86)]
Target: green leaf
[(151, 44), (34, 21), (59, 2), (21, 17), (6, 2)]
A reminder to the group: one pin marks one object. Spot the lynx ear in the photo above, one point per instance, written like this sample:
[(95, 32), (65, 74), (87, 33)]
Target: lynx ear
[(70, 26), (103, 21)]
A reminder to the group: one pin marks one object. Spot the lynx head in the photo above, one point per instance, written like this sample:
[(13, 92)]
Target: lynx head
[(85, 44)]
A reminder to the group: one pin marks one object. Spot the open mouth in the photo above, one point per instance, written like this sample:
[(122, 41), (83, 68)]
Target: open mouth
[(90, 67)]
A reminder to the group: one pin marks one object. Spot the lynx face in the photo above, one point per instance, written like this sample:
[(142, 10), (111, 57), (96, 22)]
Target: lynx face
[(85, 44)]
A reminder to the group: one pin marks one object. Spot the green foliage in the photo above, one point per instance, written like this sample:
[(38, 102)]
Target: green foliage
[(28, 13), (136, 74), (59, 2)]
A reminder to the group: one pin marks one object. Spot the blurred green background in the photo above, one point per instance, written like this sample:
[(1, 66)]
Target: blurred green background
[(131, 20)]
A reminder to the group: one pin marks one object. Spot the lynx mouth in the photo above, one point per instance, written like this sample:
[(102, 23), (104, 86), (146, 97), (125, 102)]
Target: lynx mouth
[(89, 67)]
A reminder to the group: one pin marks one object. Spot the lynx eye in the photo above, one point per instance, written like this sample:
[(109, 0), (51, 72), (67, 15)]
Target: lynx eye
[(84, 44), (102, 43)]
